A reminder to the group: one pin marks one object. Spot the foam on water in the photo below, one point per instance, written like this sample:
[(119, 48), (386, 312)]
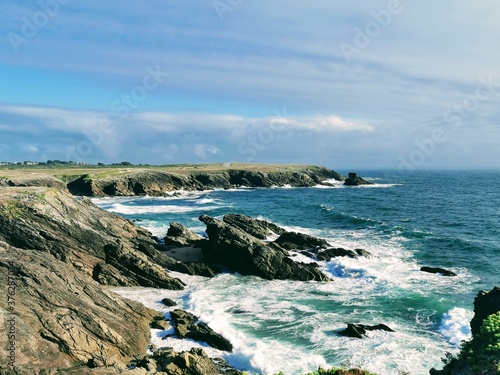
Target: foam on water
[(292, 326), (155, 209), (455, 326)]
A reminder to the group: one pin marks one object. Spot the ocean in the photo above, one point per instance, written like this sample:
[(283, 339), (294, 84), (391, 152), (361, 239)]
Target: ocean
[(448, 219)]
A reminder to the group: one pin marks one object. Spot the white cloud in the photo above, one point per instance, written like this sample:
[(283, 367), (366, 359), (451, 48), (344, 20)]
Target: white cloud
[(201, 150), (30, 149)]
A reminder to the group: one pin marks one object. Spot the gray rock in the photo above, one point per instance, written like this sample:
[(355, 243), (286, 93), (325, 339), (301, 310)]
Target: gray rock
[(359, 330), (241, 252), (354, 180), (186, 325), (438, 270), (260, 229), (300, 241)]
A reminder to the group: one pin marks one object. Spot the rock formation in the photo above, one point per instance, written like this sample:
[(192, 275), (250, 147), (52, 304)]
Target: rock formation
[(354, 180), (179, 236), (244, 253), (187, 325), (359, 330), (160, 183), (438, 270), (485, 304), (63, 251)]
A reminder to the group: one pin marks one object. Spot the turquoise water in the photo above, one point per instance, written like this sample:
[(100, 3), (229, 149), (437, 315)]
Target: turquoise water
[(448, 219)]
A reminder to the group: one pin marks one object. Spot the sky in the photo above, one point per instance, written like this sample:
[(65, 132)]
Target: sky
[(347, 84)]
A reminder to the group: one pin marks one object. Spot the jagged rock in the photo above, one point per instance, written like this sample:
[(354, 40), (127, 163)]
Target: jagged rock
[(354, 180), (193, 362), (168, 302), (160, 183), (300, 241), (246, 254), (159, 322), (363, 252), (196, 269), (64, 249), (186, 325), (359, 330), (260, 229), (328, 254), (485, 304), (180, 236), (441, 271), (65, 318)]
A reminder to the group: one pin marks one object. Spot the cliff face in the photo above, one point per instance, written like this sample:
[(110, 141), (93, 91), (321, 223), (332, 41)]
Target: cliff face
[(58, 250), (159, 183)]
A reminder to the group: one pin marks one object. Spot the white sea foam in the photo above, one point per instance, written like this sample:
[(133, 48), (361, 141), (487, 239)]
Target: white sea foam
[(455, 326), (155, 209)]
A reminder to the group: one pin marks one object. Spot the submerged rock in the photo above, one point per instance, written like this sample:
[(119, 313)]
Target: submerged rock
[(441, 271), (354, 180), (359, 330)]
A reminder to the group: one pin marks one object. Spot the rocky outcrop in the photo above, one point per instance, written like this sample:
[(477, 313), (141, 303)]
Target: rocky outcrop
[(187, 325), (180, 236), (33, 180), (109, 248), (300, 241), (359, 330), (480, 355), (160, 183), (438, 270), (485, 304), (354, 180), (244, 253), (328, 254), (65, 318), (192, 362), (260, 229), (64, 250)]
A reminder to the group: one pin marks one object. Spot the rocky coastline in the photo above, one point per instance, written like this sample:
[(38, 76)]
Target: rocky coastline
[(65, 253)]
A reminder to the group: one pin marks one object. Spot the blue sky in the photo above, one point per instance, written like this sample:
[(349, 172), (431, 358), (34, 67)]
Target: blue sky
[(358, 84)]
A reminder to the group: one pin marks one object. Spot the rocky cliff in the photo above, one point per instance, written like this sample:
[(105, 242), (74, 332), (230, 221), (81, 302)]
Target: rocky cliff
[(160, 183), (56, 255)]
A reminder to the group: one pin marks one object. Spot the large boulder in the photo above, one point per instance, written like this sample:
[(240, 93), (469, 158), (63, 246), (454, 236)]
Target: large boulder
[(260, 229), (241, 252), (187, 325), (354, 180)]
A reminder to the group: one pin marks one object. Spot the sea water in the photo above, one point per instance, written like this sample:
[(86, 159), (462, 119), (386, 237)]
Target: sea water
[(448, 219)]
